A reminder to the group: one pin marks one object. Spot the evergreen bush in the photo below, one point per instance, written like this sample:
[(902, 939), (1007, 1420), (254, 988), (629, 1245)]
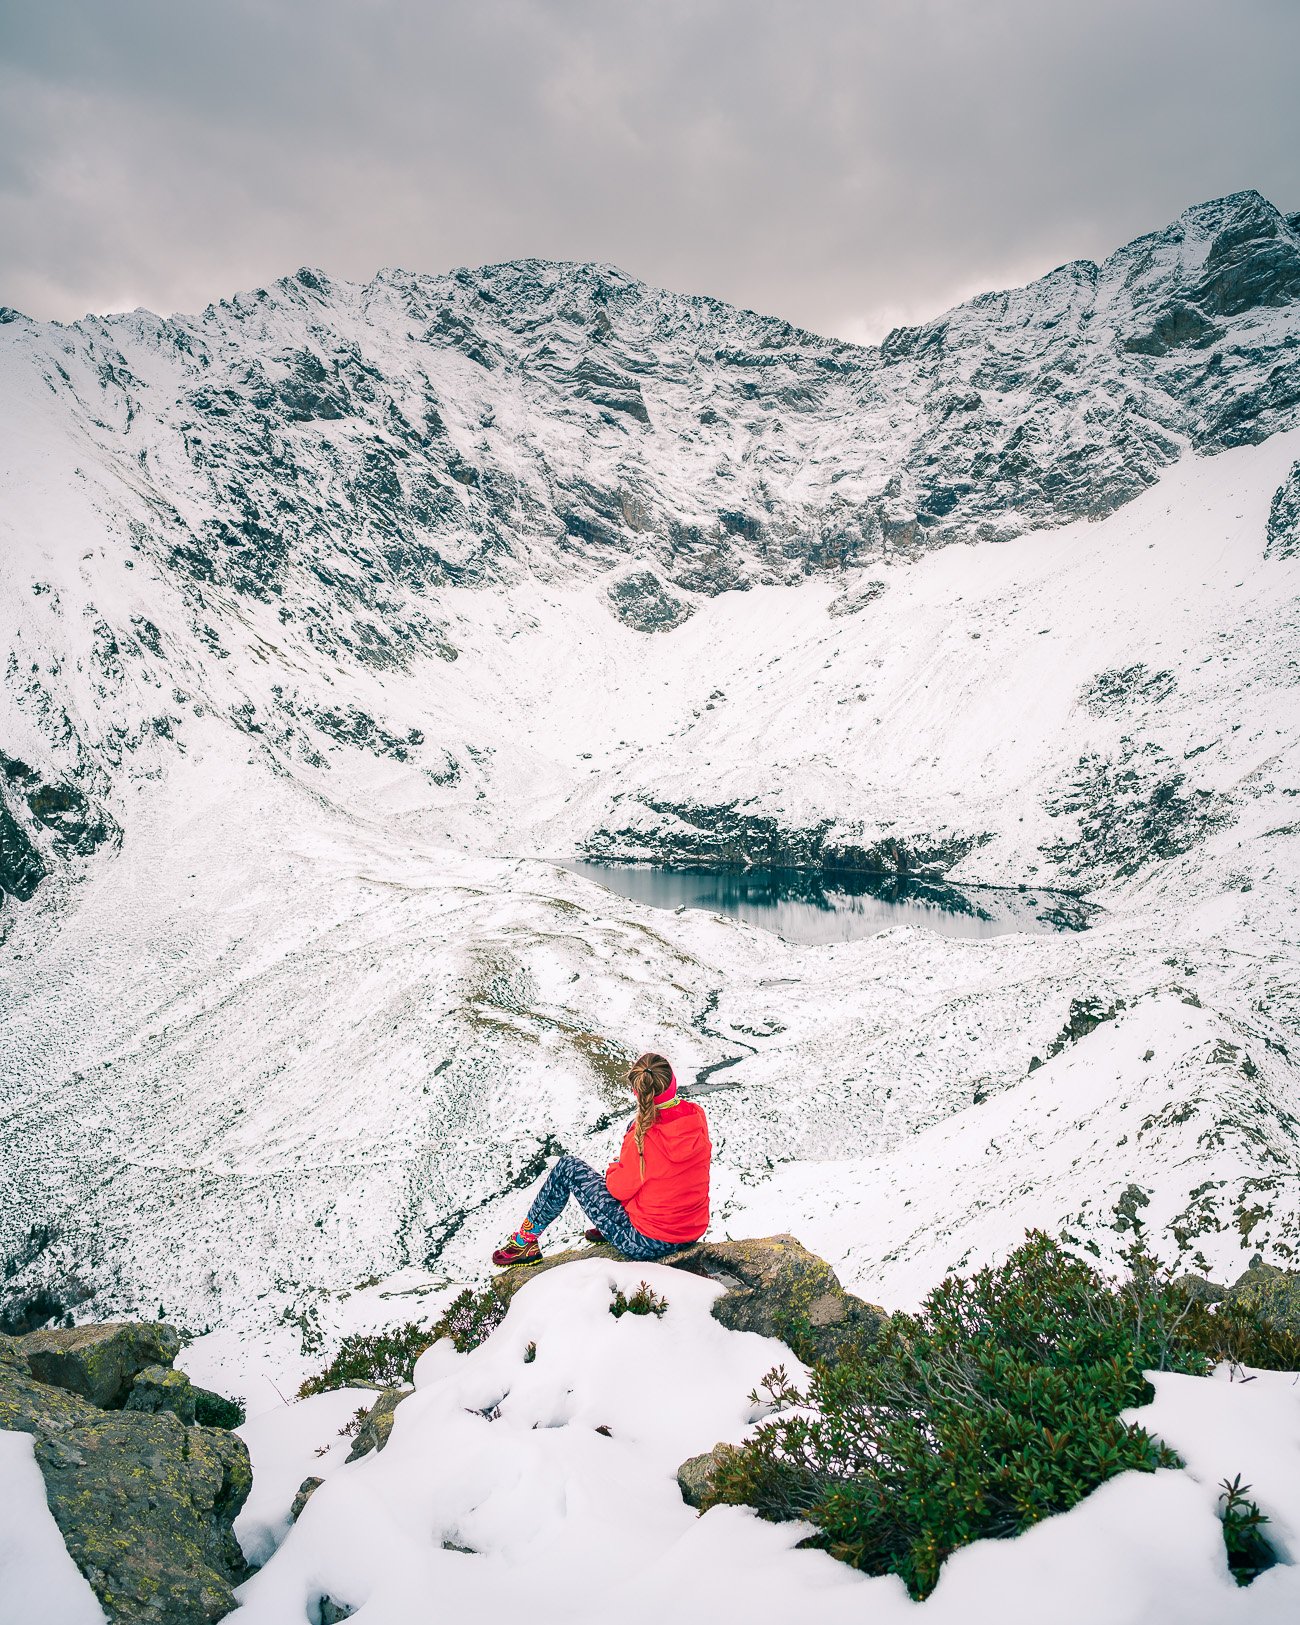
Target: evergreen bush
[(993, 1408)]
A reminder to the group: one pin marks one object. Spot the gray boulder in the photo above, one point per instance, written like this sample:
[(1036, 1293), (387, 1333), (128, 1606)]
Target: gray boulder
[(101, 1362), (374, 1431), (695, 1476), (306, 1490), (1270, 1293), (160, 1388), (777, 1288), (144, 1504)]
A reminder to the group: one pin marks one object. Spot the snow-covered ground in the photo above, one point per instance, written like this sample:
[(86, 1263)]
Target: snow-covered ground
[(497, 1496)]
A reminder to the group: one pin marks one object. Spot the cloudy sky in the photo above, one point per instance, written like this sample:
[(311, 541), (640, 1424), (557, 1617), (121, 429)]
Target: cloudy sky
[(848, 164)]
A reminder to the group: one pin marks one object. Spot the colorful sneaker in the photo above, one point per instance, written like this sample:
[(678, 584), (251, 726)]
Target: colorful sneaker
[(522, 1248), (593, 1236)]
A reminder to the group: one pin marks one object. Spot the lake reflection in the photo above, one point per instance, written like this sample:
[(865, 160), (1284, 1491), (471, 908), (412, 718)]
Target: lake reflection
[(810, 908)]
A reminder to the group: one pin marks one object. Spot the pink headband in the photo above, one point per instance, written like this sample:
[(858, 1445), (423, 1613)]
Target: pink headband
[(669, 1092)]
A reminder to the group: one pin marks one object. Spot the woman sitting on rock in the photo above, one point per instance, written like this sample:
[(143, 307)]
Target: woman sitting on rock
[(654, 1199)]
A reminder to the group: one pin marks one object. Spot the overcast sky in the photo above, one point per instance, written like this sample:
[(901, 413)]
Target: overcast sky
[(848, 164)]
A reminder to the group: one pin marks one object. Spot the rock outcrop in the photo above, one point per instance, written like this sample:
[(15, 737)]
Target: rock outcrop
[(99, 1362), (378, 1424), (1271, 1294), (1282, 540), (774, 1286), (145, 1502)]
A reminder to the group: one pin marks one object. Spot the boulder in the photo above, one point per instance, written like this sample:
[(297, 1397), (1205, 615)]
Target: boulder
[(1199, 1289), (641, 601), (776, 1287), (160, 1388), (144, 1504), (99, 1362), (306, 1490), (1270, 1293), (373, 1432), (695, 1476)]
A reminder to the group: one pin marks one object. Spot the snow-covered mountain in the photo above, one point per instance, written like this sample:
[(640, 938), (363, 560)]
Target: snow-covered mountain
[(337, 614)]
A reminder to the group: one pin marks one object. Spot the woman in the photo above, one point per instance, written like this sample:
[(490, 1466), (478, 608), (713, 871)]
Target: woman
[(654, 1199)]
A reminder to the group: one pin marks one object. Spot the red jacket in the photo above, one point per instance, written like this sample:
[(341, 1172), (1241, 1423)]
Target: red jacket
[(672, 1202)]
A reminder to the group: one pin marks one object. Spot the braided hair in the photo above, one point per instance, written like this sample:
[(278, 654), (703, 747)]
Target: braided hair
[(647, 1077)]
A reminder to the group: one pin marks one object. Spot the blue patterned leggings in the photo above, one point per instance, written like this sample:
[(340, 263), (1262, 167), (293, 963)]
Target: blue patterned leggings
[(573, 1177)]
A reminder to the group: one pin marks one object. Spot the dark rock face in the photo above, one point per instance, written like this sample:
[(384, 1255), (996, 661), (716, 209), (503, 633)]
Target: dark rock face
[(641, 601), (1131, 809), (374, 1431), (100, 1363), (1283, 539), (145, 1504), (353, 467), (722, 836), (21, 866)]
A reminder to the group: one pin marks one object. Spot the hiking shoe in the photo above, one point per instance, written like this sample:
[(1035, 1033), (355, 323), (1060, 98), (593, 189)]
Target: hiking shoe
[(522, 1248), (593, 1236)]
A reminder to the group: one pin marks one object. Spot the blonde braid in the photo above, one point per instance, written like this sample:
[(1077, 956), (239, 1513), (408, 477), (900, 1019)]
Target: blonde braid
[(649, 1076)]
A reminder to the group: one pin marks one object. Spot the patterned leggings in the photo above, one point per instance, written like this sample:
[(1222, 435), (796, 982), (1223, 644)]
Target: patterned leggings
[(573, 1177)]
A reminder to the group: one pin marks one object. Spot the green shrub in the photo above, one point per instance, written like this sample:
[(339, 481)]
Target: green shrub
[(387, 1359), (1237, 1333), (470, 1318), (382, 1360), (994, 1407), (216, 1411), (1249, 1553), (644, 1301)]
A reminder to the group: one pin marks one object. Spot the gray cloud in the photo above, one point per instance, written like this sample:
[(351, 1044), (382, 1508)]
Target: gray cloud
[(844, 163)]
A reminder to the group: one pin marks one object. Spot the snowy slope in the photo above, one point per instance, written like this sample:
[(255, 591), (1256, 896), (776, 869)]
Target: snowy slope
[(307, 693)]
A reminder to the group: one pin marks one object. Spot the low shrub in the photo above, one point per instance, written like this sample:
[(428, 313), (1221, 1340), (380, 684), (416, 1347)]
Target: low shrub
[(470, 1318), (216, 1411), (387, 1359), (1249, 1553), (993, 1408), (382, 1360), (644, 1301)]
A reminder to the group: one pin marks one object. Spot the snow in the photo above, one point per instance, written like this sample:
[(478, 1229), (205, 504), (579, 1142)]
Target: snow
[(562, 1523), (38, 1579)]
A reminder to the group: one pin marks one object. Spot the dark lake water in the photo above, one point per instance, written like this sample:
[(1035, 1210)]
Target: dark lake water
[(810, 908)]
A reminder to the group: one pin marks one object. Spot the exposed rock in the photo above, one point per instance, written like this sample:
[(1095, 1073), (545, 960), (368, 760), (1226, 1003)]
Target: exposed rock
[(1270, 1293), (1199, 1289), (856, 598), (1283, 536), (159, 1388), (695, 1476), (21, 866), (99, 1362), (306, 1490), (774, 1286), (641, 601), (683, 834), (777, 1288), (145, 1504), (374, 1431)]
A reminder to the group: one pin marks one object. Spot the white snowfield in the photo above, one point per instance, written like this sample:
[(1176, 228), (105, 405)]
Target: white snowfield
[(497, 1498), (312, 1024)]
